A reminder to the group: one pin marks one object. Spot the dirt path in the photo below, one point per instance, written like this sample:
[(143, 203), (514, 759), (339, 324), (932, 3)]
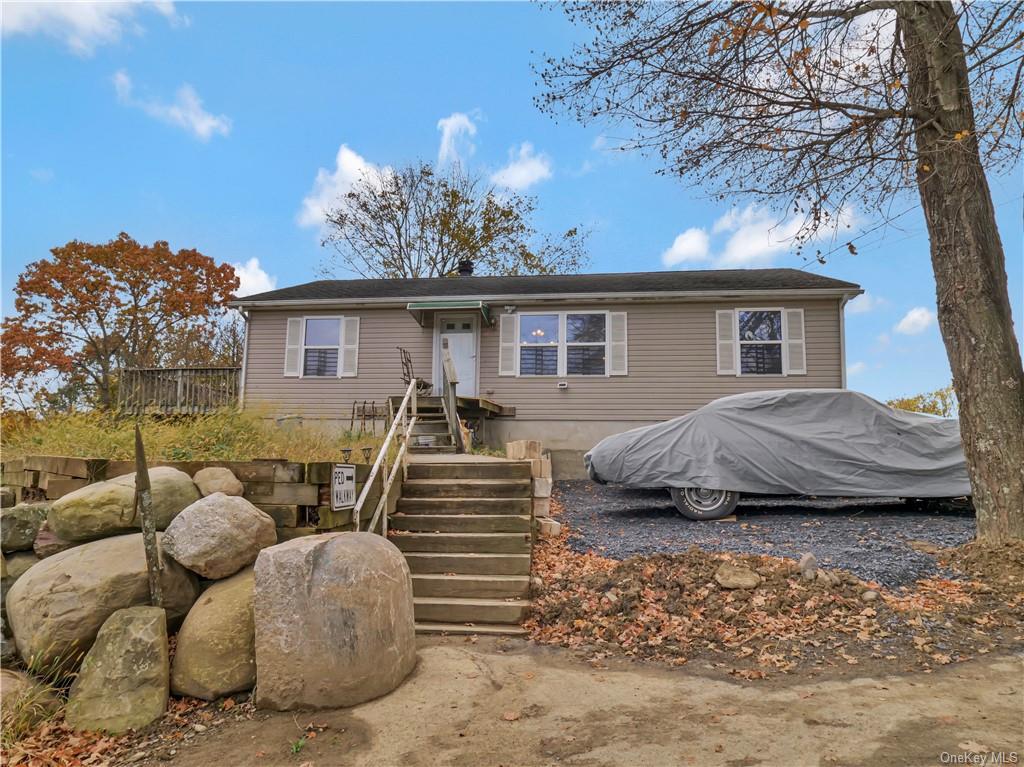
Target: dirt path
[(516, 703)]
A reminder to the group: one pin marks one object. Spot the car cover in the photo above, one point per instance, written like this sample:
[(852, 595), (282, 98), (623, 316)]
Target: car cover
[(806, 442)]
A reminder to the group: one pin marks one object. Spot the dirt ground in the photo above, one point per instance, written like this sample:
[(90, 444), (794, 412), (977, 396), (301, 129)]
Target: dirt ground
[(513, 702)]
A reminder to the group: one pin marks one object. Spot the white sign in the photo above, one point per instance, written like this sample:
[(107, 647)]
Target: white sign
[(343, 486)]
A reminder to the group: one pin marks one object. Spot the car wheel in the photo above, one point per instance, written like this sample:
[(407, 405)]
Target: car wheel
[(700, 503)]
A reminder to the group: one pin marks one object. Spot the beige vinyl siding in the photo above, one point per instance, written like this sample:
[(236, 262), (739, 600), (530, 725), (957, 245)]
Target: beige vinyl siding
[(380, 368), (671, 350), (672, 365)]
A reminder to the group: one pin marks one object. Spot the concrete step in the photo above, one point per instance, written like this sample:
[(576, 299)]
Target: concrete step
[(484, 629), (480, 543), (468, 488), (468, 563), (470, 470), (461, 523), (430, 427), (457, 610), (433, 506), (471, 586)]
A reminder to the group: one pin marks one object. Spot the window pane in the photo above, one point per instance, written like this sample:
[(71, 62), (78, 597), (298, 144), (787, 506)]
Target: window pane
[(760, 326), (584, 328), (324, 332), (538, 329), (761, 359), (585, 360), (538, 360), (320, 362)]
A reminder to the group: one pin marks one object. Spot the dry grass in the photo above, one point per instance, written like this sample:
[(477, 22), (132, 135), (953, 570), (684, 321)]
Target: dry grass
[(222, 436)]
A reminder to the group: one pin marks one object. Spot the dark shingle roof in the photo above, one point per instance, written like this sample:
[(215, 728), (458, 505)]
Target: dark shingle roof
[(598, 284)]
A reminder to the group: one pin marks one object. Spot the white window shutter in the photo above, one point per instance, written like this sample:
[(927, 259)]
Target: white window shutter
[(349, 364), (725, 342), (618, 353), (293, 347), (507, 335), (796, 348)]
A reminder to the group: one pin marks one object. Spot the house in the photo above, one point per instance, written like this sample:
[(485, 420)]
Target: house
[(566, 359)]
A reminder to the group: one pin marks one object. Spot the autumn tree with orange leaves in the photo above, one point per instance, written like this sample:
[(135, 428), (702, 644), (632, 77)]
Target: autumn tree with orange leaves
[(92, 309), (820, 106)]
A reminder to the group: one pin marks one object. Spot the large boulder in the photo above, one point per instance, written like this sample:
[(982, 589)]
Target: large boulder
[(123, 683), (108, 508), (216, 479), (14, 566), (215, 653), (58, 606), (20, 524), (219, 535), (48, 543), (8, 496), (24, 702), (334, 621)]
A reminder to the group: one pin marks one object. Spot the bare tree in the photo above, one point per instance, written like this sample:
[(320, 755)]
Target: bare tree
[(819, 105), (418, 221)]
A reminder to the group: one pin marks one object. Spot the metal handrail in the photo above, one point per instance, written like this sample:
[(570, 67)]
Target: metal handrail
[(401, 417)]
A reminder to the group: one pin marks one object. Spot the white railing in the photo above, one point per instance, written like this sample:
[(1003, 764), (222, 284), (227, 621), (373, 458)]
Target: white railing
[(401, 426), (449, 400)]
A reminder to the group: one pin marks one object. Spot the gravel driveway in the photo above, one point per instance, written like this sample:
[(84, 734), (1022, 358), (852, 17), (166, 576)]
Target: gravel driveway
[(871, 540)]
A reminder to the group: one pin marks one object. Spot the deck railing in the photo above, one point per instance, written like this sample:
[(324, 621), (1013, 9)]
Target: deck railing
[(449, 399), (174, 391)]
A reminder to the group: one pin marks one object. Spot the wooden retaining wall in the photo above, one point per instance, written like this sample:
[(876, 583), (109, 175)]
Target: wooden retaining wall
[(296, 495)]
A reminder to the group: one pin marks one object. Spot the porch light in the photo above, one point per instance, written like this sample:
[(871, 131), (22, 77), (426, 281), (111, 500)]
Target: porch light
[(366, 453), (346, 453)]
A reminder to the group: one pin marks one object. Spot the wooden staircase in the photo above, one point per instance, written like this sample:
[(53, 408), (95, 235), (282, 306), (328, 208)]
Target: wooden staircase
[(465, 528), (432, 432)]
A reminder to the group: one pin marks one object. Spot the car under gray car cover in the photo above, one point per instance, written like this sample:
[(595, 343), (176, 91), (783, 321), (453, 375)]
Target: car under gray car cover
[(805, 442)]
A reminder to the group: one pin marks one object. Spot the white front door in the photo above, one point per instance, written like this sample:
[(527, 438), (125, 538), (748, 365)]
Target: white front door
[(459, 332)]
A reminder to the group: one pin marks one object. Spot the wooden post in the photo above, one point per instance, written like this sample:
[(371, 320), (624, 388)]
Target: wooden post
[(144, 510)]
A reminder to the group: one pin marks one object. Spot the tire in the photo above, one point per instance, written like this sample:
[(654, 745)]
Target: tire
[(702, 504)]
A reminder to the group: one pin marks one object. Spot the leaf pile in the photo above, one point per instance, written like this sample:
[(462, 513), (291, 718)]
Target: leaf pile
[(669, 607)]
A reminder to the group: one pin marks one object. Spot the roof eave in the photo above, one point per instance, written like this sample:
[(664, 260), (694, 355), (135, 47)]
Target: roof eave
[(654, 295)]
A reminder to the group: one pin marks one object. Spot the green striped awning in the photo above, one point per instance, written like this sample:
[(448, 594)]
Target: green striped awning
[(423, 310)]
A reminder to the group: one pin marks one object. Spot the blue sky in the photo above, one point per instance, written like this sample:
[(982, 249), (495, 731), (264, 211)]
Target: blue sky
[(226, 127)]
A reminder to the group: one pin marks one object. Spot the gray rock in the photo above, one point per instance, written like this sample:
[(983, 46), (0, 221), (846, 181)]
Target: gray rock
[(215, 479), (334, 621), (20, 524), (869, 596), (17, 564), (219, 535), (58, 606), (8, 496), (123, 683), (732, 576), (808, 566), (215, 653), (108, 508), (48, 543)]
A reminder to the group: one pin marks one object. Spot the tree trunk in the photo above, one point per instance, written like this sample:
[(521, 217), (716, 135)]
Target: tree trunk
[(144, 509), (970, 271)]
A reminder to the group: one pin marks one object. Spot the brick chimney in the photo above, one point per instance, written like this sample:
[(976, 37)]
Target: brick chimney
[(466, 267)]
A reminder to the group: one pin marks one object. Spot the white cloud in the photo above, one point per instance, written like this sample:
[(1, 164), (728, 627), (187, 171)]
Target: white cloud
[(457, 130), (915, 322), (758, 236), (186, 111), (691, 245), (864, 303), (253, 279), (856, 368), (525, 168), (328, 186), (82, 26)]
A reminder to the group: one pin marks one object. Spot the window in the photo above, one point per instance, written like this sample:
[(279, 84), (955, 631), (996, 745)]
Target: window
[(563, 344), (760, 340), (538, 344), (321, 346), (585, 344)]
